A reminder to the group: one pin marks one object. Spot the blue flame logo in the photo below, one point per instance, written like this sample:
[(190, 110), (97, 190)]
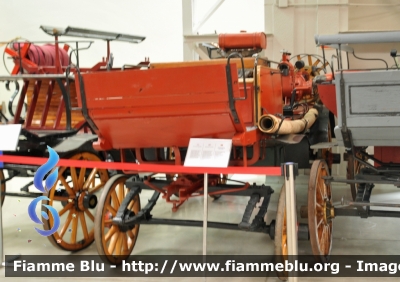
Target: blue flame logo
[(49, 182)]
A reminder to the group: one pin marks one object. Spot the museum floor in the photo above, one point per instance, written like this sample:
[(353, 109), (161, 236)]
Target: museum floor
[(351, 235)]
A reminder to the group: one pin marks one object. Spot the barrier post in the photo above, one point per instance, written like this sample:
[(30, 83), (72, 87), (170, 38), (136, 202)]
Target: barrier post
[(1, 234), (1, 223), (290, 171)]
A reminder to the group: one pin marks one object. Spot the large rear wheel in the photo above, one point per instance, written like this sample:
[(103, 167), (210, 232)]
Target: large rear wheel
[(74, 196)]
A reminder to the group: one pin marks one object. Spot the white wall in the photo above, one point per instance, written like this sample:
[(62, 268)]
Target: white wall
[(293, 27), (159, 20), (374, 15), (231, 17)]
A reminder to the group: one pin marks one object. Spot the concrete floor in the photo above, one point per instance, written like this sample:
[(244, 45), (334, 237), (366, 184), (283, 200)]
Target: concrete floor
[(372, 236)]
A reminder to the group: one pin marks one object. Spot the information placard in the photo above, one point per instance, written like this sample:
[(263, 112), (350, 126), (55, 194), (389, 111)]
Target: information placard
[(9, 136), (205, 152)]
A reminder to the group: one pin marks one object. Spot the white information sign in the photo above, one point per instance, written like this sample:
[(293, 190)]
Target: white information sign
[(9, 136), (204, 152)]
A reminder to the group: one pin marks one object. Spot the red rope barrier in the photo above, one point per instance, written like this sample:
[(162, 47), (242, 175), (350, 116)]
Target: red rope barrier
[(270, 171)]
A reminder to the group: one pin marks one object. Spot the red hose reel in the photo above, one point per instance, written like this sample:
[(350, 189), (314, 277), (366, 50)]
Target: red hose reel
[(41, 56)]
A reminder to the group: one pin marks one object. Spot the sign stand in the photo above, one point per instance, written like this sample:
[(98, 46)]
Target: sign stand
[(1, 231), (205, 214), (3, 262), (10, 143), (205, 152)]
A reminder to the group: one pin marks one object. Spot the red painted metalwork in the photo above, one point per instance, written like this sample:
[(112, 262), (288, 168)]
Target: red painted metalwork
[(271, 89), (39, 59), (242, 40), (327, 93), (21, 100), (386, 154), (47, 104), (245, 106), (30, 58), (294, 80), (158, 101), (187, 186), (57, 61), (22, 53), (165, 107)]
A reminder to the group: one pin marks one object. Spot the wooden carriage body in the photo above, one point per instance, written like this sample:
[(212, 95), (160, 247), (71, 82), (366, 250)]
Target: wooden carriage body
[(165, 105)]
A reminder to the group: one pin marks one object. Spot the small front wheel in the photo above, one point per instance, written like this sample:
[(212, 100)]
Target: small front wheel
[(115, 242), (320, 211)]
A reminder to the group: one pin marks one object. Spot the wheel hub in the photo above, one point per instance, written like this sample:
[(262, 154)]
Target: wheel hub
[(329, 212), (84, 201), (125, 227), (122, 227)]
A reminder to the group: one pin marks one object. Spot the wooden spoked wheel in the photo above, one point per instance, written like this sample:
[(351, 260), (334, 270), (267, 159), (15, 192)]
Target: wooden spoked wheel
[(320, 211), (326, 153), (113, 242), (280, 240), (2, 187), (353, 168), (313, 65), (82, 187)]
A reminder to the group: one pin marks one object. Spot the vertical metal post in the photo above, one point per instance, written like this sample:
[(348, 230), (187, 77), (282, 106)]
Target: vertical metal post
[(205, 215), (58, 62), (1, 234), (21, 70), (77, 54), (290, 171)]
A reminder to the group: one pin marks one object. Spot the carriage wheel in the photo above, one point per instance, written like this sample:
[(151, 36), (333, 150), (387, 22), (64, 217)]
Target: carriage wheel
[(326, 153), (280, 240), (113, 242), (2, 187), (320, 211), (353, 168), (83, 187), (314, 64)]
